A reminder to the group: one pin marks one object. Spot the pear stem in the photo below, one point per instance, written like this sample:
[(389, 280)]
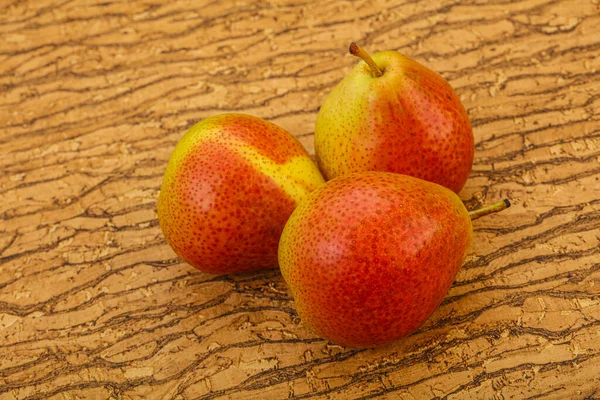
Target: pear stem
[(357, 51), (494, 208)]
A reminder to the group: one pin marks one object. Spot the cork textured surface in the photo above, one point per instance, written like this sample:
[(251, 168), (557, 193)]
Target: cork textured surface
[(94, 95)]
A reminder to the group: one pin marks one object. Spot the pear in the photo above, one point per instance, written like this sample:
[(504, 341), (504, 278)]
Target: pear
[(391, 113), (369, 256), (230, 185)]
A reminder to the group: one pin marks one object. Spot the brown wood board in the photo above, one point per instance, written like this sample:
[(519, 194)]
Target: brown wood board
[(94, 95)]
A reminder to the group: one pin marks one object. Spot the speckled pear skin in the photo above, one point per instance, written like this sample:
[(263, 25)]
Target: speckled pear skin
[(369, 256), (408, 121), (230, 186)]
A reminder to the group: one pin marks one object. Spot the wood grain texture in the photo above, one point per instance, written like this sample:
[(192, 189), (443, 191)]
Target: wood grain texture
[(95, 94)]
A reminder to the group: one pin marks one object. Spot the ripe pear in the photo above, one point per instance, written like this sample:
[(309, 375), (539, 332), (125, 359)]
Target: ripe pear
[(369, 256), (391, 113), (230, 185)]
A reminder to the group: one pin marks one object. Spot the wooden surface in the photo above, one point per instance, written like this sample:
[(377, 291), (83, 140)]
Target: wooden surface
[(93, 98)]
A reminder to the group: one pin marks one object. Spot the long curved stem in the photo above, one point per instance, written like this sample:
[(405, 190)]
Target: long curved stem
[(494, 208), (357, 51)]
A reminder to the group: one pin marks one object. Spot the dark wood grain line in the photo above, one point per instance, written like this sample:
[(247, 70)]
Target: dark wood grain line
[(570, 276), (540, 218), (581, 223)]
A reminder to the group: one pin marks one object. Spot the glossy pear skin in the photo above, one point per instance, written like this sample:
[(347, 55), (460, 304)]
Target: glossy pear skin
[(231, 183), (408, 121), (369, 256)]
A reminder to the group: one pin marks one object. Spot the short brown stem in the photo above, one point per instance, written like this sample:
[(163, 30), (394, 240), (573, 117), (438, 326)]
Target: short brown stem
[(494, 208), (357, 51)]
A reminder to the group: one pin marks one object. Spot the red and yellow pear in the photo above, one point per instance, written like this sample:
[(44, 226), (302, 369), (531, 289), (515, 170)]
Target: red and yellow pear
[(230, 185), (391, 113), (369, 256)]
